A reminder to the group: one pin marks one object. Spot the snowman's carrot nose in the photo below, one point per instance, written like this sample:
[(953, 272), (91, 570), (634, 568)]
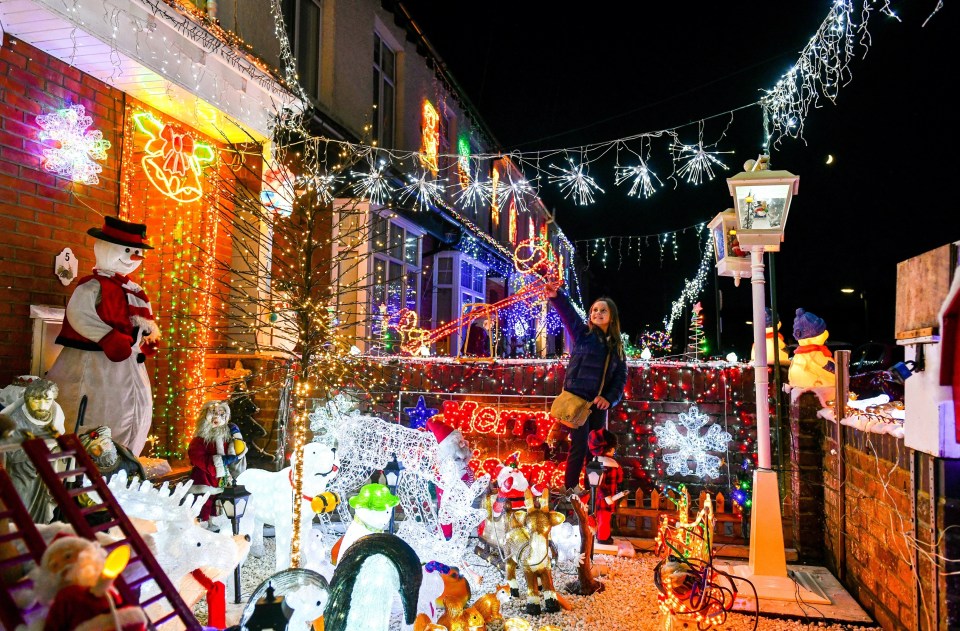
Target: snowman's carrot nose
[(136, 257)]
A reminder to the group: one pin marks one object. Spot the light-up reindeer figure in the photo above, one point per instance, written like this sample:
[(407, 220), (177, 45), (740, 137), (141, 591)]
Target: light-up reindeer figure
[(529, 545), (530, 257)]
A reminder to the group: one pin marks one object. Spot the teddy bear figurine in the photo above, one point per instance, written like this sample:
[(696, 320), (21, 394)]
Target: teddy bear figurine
[(75, 578), (812, 365)]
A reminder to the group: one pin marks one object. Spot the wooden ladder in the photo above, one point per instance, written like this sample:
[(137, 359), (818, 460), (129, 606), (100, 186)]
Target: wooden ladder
[(14, 511), (43, 459)]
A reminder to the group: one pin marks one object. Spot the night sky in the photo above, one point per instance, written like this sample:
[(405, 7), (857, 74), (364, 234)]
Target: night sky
[(546, 75)]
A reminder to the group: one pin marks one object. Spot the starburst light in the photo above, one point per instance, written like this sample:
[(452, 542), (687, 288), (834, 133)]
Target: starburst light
[(692, 444), (699, 162), (476, 193), (575, 183), (78, 149), (642, 178), (517, 190), (373, 184), (424, 190)]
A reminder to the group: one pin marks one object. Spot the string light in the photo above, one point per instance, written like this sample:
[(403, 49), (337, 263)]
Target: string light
[(374, 184), (425, 191)]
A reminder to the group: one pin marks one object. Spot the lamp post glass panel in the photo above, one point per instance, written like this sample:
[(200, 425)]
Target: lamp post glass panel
[(594, 471), (233, 502)]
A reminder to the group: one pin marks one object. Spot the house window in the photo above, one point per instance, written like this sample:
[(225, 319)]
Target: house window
[(396, 272), (307, 44), (384, 91), (459, 281)]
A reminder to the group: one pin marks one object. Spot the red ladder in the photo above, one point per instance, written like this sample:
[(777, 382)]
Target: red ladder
[(42, 458), (14, 510)]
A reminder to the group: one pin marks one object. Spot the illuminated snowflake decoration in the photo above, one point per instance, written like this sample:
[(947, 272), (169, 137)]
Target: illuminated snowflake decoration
[(78, 149), (518, 190), (575, 183), (698, 162), (476, 193), (692, 444), (642, 178), (374, 184), (424, 190)]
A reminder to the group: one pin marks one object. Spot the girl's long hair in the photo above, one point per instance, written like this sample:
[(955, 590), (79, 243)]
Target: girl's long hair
[(614, 341)]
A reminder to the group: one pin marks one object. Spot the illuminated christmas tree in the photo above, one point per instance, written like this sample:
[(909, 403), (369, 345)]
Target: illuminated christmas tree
[(696, 342)]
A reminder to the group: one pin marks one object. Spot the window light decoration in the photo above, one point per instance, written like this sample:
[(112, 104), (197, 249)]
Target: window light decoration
[(430, 142), (78, 147), (173, 159), (692, 444)]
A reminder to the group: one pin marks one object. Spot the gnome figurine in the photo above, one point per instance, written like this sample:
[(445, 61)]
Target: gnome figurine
[(812, 365), (775, 342), (108, 331)]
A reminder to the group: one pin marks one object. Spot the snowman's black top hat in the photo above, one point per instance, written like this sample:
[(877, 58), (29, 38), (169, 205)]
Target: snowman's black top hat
[(122, 233)]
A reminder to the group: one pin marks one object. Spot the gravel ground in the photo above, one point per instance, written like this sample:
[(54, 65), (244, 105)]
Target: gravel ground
[(629, 601)]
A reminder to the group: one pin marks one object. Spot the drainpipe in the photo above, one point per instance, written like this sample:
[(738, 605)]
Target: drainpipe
[(842, 360)]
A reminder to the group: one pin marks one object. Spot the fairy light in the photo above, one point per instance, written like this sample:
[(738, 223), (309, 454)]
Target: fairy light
[(77, 147), (697, 162), (476, 193), (516, 192), (575, 183)]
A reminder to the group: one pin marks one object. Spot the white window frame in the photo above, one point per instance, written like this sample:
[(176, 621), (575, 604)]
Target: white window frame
[(457, 290), (381, 33), (407, 270), (297, 44)]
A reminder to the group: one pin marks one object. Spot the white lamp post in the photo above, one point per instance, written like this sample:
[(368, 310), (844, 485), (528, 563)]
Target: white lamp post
[(762, 199)]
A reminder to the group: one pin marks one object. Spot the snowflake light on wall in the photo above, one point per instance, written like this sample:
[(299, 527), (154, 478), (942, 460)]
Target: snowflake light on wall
[(78, 148), (692, 444)]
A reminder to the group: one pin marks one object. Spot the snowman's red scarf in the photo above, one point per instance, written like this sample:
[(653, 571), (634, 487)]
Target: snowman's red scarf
[(138, 304)]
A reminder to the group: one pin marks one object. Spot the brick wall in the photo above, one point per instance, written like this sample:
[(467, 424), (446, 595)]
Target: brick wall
[(40, 214)]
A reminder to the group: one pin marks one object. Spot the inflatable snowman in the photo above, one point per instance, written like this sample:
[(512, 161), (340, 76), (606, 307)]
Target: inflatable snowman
[(812, 365), (108, 331), (780, 346)]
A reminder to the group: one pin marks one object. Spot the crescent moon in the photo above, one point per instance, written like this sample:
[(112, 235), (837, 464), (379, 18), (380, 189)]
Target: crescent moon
[(829, 158)]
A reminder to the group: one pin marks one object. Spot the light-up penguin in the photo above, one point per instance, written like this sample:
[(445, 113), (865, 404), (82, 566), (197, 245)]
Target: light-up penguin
[(108, 331)]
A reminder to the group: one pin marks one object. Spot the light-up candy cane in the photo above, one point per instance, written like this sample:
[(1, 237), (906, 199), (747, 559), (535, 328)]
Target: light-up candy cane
[(530, 257)]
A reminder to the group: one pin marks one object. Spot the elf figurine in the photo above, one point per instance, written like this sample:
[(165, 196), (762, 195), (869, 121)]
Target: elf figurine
[(602, 444), (217, 451), (108, 331)]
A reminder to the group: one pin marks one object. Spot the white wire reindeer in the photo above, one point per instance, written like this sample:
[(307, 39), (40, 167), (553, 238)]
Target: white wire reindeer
[(366, 444)]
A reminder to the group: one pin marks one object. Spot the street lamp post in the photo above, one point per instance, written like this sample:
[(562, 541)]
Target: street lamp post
[(762, 198)]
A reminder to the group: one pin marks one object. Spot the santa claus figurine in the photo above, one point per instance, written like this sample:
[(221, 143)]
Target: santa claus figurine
[(451, 446), (108, 331), (217, 451)]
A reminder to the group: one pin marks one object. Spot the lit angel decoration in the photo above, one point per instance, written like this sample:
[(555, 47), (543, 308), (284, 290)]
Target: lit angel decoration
[(692, 444), (173, 160), (424, 190), (575, 183), (373, 184), (78, 147)]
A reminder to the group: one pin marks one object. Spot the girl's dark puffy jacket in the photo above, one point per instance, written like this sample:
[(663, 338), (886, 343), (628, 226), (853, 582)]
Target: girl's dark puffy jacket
[(585, 369)]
